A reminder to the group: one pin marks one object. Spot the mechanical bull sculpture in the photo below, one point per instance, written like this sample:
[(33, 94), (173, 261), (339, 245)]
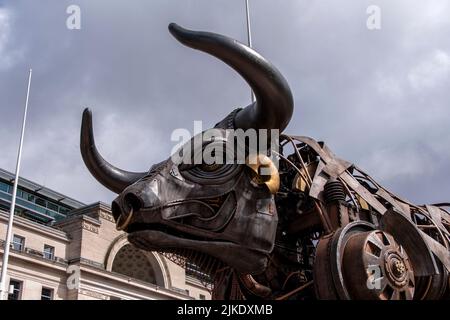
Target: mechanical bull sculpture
[(315, 227)]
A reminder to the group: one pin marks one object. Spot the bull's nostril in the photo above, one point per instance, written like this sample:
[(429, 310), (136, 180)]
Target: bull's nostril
[(132, 201), (116, 210), (122, 210)]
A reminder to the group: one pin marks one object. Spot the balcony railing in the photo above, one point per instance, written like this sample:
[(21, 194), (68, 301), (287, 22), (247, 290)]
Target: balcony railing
[(34, 253)]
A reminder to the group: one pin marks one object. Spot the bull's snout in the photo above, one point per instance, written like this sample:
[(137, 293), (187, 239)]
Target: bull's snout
[(123, 208), (133, 199)]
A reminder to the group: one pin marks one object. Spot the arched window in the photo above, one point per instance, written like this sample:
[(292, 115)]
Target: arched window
[(134, 263)]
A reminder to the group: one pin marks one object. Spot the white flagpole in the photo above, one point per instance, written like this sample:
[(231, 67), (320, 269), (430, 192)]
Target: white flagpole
[(249, 36), (3, 290)]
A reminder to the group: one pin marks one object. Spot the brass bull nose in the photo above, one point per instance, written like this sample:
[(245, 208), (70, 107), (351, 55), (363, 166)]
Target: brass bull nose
[(125, 206), (124, 220), (122, 214)]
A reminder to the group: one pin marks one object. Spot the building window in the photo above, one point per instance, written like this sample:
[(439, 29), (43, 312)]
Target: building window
[(40, 202), (49, 252), (5, 187), (16, 292), (63, 210), (52, 206), (46, 294), (18, 243), (134, 263), (202, 297)]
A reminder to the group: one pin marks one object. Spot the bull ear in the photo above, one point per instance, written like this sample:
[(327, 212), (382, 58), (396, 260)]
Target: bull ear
[(113, 178), (274, 103), (264, 171)]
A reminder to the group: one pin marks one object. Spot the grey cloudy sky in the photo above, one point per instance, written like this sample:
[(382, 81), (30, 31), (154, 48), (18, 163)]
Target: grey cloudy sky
[(378, 98)]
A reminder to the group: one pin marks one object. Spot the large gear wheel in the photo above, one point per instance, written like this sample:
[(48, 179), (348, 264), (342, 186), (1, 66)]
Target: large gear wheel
[(360, 262), (328, 276), (376, 267), (433, 282)]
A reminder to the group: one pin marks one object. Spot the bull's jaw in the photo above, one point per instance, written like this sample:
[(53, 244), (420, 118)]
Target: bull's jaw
[(244, 260)]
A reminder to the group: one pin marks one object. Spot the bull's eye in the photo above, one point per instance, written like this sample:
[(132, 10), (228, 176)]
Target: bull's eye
[(215, 167), (211, 173)]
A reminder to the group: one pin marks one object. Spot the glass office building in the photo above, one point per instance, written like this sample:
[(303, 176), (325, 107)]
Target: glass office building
[(34, 201)]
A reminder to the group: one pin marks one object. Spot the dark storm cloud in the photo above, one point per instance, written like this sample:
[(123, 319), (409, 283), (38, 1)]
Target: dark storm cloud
[(378, 98)]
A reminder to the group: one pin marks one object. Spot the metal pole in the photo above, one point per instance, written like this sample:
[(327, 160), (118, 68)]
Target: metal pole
[(3, 291), (249, 36)]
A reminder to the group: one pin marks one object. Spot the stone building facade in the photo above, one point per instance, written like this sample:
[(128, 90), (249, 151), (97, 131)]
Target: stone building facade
[(82, 256)]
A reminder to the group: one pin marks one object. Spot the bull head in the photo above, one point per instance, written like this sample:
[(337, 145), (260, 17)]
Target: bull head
[(224, 211)]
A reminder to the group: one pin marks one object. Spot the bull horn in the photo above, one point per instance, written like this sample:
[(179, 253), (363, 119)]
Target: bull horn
[(274, 103), (108, 175)]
